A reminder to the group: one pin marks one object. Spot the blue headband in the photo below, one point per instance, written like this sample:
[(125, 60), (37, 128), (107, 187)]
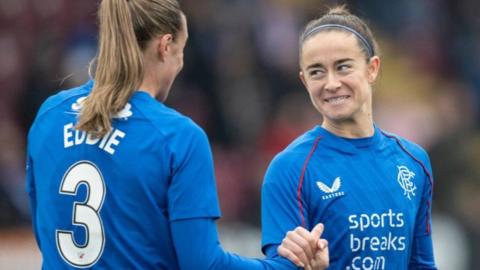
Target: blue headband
[(351, 30)]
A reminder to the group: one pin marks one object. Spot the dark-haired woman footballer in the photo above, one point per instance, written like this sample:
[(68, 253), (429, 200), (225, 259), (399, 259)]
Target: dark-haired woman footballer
[(371, 190)]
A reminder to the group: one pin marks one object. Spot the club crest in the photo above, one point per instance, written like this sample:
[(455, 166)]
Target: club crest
[(404, 178)]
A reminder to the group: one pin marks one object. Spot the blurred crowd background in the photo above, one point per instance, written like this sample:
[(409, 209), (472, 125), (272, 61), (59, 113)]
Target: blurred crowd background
[(240, 83)]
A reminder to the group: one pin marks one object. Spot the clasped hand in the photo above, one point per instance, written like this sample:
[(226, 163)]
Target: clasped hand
[(306, 249)]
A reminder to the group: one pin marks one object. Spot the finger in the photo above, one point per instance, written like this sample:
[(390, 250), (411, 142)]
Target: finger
[(305, 234), (282, 251), (304, 244), (322, 243), (296, 249), (317, 231), (322, 258)]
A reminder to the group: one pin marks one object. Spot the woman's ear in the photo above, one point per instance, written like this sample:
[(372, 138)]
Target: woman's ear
[(373, 68), (302, 78), (163, 45)]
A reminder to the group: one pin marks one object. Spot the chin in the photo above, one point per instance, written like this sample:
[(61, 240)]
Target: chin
[(339, 117)]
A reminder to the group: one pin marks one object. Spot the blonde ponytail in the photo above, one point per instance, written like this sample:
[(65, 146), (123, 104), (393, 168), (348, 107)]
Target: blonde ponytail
[(119, 68), (126, 26)]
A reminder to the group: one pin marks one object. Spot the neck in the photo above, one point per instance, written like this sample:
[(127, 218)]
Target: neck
[(350, 129), (152, 83), (146, 87)]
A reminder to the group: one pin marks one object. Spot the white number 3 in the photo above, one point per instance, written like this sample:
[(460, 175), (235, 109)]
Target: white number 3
[(84, 214)]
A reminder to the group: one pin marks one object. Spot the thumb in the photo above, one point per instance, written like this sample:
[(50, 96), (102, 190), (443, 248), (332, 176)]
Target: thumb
[(317, 231)]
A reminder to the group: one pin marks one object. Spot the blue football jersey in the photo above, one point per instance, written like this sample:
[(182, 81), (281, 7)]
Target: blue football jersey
[(372, 194), (107, 203)]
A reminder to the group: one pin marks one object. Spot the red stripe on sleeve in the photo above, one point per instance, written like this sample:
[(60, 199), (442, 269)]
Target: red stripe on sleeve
[(300, 183)]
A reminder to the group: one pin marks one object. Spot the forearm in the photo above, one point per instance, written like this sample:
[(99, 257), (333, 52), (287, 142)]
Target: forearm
[(197, 246)]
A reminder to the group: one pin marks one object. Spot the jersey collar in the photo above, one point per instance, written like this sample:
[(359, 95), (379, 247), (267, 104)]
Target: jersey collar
[(348, 145)]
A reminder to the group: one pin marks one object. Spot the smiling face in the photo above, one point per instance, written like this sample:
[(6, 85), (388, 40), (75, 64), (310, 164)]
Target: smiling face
[(338, 78)]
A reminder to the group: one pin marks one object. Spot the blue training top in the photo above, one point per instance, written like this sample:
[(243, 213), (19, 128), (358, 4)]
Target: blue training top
[(372, 194), (141, 197)]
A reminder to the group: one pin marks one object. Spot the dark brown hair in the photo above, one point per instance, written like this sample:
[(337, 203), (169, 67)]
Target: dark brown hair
[(340, 16)]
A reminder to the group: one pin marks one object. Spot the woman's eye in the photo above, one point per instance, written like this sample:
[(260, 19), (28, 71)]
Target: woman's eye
[(343, 67), (315, 73)]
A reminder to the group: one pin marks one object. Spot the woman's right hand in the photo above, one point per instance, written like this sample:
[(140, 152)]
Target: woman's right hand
[(306, 249)]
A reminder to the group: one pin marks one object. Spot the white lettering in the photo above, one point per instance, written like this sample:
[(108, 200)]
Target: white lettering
[(113, 141), (372, 220), (365, 242), (353, 222), (379, 263), (400, 220), (67, 134), (383, 244), (376, 220), (374, 243), (355, 243), (107, 143), (104, 140), (354, 263), (80, 137), (401, 243), (333, 195), (368, 263), (390, 215), (364, 222), (383, 235), (391, 242), (383, 219)]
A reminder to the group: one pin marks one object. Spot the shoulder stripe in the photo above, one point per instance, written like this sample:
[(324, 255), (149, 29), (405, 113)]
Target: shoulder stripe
[(430, 179), (300, 183)]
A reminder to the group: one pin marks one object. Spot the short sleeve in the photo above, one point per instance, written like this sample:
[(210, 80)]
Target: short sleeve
[(192, 191), (280, 206)]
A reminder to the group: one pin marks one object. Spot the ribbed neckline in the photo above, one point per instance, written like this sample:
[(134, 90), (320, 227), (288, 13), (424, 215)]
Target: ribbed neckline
[(350, 145)]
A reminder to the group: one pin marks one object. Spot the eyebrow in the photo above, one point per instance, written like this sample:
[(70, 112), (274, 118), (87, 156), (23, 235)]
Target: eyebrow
[(341, 61), (318, 65)]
